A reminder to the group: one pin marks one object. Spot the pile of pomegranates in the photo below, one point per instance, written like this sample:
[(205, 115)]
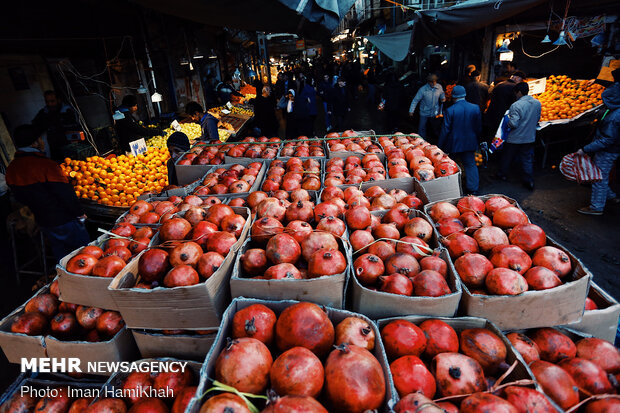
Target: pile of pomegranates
[(230, 180), (405, 266), (307, 247), (309, 364), (155, 212), (293, 174), (249, 148), (200, 155), (44, 315), (496, 250), (569, 371), (193, 249), (351, 142), (374, 198), (412, 156), (354, 170), (115, 253), (302, 149), (287, 197)]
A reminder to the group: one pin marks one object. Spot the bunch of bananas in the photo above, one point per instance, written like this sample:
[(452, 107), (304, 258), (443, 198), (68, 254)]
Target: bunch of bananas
[(192, 130)]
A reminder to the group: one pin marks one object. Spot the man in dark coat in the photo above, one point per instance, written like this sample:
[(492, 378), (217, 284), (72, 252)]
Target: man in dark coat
[(265, 111), (462, 125), (128, 129), (339, 105), (55, 120), (208, 122), (502, 96), (477, 91)]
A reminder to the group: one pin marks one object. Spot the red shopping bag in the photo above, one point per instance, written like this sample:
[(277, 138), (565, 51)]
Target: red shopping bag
[(580, 168)]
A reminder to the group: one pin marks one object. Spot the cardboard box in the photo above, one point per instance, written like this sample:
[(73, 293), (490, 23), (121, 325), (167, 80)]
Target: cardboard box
[(409, 185), (601, 323), (189, 189), (557, 306), (196, 307), (345, 154), (327, 290), (153, 343), (444, 187), (208, 368), (321, 172), (377, 304), (232, 159)]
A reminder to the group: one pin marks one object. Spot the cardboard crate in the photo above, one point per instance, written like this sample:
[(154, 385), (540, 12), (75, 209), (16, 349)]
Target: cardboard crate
[(284, 158), (231, 159), (153, 343), (335, 315), (327, 290), (409, 185), (556, 306), (195, 307), (603, 322), (345, 154), (444, 187), (377, 304), (189, 189), (321, 172)]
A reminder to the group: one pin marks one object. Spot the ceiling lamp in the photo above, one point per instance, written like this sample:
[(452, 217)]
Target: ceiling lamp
[(561, 40)]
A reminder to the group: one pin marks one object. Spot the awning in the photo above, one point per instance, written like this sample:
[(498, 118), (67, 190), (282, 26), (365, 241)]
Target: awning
[(393, 45), (313, 19)]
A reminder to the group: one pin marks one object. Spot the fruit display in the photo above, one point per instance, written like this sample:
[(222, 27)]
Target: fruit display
[(410, 155), (313, 359), (570, 368), (192, 130), (228, 179), (496, 250), (351, 141), (45, 315), (254, 199), (375, 198), (235, 110), (153, 213), (118, 180), (303, 149), (214, 155), (293, 174), (565, 98), (354, 170)]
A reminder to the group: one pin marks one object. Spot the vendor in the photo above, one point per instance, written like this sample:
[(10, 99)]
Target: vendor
[(207, 121), (178, 144), (225, 90), (53, 122), (128, 129)]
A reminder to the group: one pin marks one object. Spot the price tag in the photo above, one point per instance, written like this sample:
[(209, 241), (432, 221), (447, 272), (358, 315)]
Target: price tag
[(225, 111), (537, 86), (229, 105), (138, 147), (176, 126)]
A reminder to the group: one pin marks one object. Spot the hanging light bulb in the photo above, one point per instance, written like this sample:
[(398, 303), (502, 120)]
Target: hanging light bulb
[(561, 40), (546, 39)]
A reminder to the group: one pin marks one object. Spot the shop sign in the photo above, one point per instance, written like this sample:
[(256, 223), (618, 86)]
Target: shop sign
[(537, 86)]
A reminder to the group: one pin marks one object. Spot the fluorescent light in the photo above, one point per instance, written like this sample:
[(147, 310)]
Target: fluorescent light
[(156, 97), (506, 56), (445, 62)]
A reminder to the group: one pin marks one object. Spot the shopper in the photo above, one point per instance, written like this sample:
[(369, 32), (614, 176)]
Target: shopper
[(477, 91), (502, 96), (606, 148), (288, 105), (178, 144), (305, 107), (128, 129), (265, 112), (325, 90), (208, 122), (462, 125), (523, 117), (54, 121), (392, 93), (430, 97), (339, 105), (38, 182)]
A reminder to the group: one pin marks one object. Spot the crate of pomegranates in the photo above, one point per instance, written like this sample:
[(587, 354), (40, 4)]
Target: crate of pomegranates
[(229, 180), (457, 364), (304, 149), (378, 195), (250, 149), (349, 142), (571, 368), (155, 385), (182, 283), (512, 272), (306, 259), (313, 358), (601, 314), (292, 174), (398, 268), (47, 327), (85, 274), (183, 344), (355, 169)]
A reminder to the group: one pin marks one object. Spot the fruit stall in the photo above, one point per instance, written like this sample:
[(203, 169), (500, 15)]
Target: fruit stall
[(338, 274)]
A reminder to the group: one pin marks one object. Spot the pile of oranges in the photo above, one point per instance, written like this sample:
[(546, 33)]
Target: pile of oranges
[(565, 98), (118, 180)]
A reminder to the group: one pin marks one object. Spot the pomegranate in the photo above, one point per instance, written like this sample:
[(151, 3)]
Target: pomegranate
[(553, 345), (46, 304), (417, 402), (181, 276), (495, 203), (254, 261), (300, 211), (317, 241), (503, 281), (512, 257), (485, 347), (442, 210), (305, 325), (59, 403), (294, 404), (471, 204), (529, 237), (63, 325), (122, 252), (107, 406), (397, 215), (359, 239), (590, 304), (200, 233), (419, 227), (138, 245), (354, 330), (354, 379), (410, 375), (368, 268), (149, 405), (186, 253), (459, 244), (429, 283), (183, 399), (556, 383), (402, 338), (282, 272), (474, 221), (209, 263), (283, 248), (528, 400), (388, 231), (457, 374), (109, 266), (588, 375), (554, 259), (299, 230), (81, 264), (440, 338), (326, 262), (525, 346), (135, 384), (473, 269), (449, 226), (244, 364), (216, 213), (382, 249), (297, 372), (194, 215), (265, 228), (490, 237), (396, 284), (402, 263), (600, 352), (541, 278), (32, 324), (173, 382), (92, 250), (225, 403), (256, 321), (435, 263), (174, 229), (485, 402), (117, 242), (140, 207), (509, 217), (233, 224), (603, 406), (87, 316), (153, 264), (109, 323), (221, 242), (123, 229), (332, 225)]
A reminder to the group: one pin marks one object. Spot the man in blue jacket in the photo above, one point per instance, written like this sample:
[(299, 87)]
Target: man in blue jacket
[(208, 122), (462, 125), (606, 148)]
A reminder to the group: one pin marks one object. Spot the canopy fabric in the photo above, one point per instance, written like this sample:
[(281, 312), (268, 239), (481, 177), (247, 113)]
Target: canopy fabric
[(313, 19), (393, 45), (437, 25)]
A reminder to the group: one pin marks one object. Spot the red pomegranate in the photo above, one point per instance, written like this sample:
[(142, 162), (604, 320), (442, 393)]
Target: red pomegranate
[(305, 325), (174, 229), (528, 400), (413, 246), (485, 402), (429, 283), (32, 324), (459, 244), (471, 204), (332, 225), (509, 217), (442, 210), (396, 284), (368, 268), (415, 401), (440, 338), (107, 406), (588, 375), (294, 404), (358, 217), (87, 316), (541, 278), (172, 381), (186, 253), (209, 263), (410, 375), (504, 281), (354, 330), (109, 266), (418, 227), (81, 264), (109, 323), (254, 261), (512, 257), (553, 345), (554, 259), (297, 372), (284, 271), (150, 405), (299, 230), (256, 321), (183, 399), (217, 212), (435, 263), (473, 269), (457, 374), (265, 228), (473, 221), (317, 241), (233, 224), (402, 338), (556, 383), (600, 352), (397, 215), (529, 237), (92, 250), (283, 248), (225, 403), (244, 364), (300, 211), (449, 226), (402, 263), (485, 347), (153, 265), (221, 242), (490, 237), (122, 252), (525, 346), (46, 304), (200, 233), (181, 276), (326, 262), (495, 203)]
